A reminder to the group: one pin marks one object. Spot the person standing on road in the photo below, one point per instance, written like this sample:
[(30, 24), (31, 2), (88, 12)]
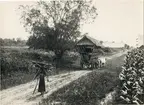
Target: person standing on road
[(41, 76)]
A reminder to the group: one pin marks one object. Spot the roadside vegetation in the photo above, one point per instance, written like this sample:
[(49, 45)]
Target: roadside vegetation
[(131, 87)]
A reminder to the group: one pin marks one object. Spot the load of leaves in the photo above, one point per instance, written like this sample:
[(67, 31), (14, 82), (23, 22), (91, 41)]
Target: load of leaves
[(132, 77)]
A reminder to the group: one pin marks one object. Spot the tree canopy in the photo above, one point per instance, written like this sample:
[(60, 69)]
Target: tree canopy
[(54, 25)]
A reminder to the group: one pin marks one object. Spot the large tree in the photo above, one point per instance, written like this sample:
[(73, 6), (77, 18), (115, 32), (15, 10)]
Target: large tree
[(54, 25)]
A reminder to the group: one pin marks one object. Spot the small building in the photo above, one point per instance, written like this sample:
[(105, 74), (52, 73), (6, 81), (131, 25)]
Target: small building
[(86, 47), (88, 44)]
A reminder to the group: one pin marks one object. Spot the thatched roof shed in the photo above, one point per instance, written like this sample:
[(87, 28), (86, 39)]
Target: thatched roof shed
[(89, 41)]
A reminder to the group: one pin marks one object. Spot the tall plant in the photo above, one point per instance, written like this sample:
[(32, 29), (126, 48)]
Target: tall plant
[(132, 77)]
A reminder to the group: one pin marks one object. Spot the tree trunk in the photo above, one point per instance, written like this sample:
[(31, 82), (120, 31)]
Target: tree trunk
[(57, 59)]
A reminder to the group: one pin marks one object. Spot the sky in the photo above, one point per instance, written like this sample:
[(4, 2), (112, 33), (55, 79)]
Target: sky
[(117, 20)]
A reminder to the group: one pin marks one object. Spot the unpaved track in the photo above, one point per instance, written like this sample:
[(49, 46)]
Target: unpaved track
[(115, 55), (22, 94)]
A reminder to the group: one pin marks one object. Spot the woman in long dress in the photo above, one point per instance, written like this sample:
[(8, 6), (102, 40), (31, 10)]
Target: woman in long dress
[(41, 87), (41, 76)]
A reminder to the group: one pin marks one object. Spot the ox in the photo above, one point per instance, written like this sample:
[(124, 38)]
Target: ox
[(101, 62)]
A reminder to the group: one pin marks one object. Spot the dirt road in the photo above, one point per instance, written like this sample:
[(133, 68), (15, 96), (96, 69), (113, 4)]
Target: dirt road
[(22, 94)]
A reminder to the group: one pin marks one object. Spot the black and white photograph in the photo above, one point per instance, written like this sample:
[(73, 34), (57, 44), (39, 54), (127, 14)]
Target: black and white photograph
[(71, 52)]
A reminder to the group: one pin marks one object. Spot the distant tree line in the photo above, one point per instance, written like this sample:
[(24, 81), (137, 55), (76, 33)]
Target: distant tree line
[(12, 42)]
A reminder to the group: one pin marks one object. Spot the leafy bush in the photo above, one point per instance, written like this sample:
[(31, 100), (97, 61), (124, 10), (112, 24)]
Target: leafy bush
[(16, 65), (15, 71), (132, 77)]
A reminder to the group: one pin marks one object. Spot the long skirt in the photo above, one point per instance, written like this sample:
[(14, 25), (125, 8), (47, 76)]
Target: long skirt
[(41, 87)]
